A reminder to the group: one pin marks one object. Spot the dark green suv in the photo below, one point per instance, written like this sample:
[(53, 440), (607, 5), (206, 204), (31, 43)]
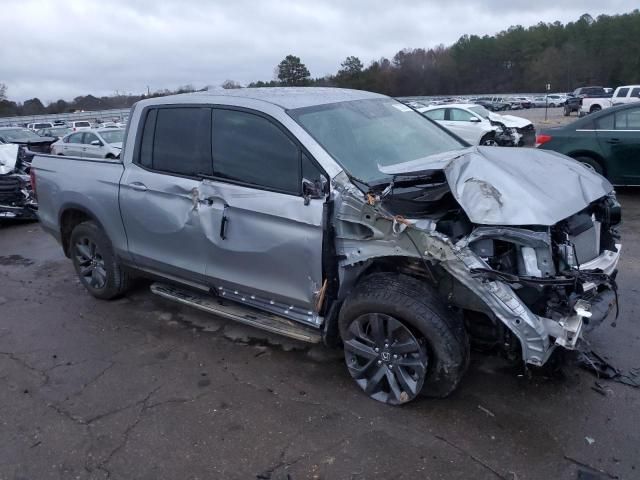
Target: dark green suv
[(607, 141)]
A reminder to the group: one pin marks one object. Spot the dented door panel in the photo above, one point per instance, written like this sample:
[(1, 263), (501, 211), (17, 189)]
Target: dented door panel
[(161, 215), (270, 244)]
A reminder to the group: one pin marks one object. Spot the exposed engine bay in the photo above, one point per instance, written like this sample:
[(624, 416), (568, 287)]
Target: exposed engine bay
[(528, 274), (16, 195)]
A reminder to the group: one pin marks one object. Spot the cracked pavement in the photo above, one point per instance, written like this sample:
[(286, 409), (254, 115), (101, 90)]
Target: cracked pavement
[(141, 388)]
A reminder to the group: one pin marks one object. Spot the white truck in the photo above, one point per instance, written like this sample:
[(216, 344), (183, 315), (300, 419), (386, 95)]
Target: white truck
[(621, 95)]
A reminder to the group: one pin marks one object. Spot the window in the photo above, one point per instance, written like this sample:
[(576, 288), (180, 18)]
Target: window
[(622, 92), (251, 149), (146, 144), (177, 140), (88, 138), (82, 124), (458, 115), (437, 114), (628, 119), (76, 138), (635, 93)]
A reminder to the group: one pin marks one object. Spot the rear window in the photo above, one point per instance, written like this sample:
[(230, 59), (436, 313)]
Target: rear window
[(82, 124), (635, 93), (177, 140)]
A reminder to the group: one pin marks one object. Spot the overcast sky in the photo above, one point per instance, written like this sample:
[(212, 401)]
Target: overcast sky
[(64, 48)]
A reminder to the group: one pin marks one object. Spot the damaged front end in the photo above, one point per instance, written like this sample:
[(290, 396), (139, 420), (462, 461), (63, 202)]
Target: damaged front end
[(16, 194), (527, 251)]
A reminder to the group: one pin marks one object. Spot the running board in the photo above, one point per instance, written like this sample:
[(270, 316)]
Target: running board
[(233, 311)]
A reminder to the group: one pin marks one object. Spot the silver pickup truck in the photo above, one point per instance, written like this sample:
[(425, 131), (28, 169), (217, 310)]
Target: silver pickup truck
[(345, 217)]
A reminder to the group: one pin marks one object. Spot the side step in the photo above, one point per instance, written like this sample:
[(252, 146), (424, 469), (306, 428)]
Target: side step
[(231, 310)]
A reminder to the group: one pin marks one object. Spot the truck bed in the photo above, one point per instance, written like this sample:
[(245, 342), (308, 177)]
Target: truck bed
[(86, 184)]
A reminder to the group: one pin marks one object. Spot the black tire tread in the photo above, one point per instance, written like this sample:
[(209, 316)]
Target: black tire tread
[(416, 304), (118, 280)]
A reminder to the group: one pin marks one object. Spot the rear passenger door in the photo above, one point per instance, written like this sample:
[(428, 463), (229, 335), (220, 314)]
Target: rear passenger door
[(160, 200), (264, 237)]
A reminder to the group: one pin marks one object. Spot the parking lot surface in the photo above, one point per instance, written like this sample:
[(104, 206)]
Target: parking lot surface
[(141, 388)]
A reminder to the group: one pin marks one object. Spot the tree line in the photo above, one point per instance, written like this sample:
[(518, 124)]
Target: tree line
[(604, 51)]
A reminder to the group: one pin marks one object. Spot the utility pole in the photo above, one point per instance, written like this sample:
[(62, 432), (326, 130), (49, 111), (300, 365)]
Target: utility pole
[(148, 91)]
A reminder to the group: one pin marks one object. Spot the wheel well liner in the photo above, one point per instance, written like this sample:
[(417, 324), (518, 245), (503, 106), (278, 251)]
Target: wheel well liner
[(70, 216), (590, 154)]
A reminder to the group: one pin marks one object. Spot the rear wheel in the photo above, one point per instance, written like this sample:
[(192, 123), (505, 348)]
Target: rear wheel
[(595, 108), (95, 263), (400, 340), (591, 164)]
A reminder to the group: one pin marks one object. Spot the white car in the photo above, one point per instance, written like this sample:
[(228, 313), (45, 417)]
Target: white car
[(98, 143), (556, 100), (478, 126), (39, 125), (80, 125)]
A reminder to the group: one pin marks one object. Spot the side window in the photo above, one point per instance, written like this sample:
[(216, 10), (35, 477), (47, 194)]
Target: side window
[(635, 93), (605, 123), (458, 115), (182, 141), (628, 119), (76, 138), (250, 149), (437, 114), (622, 92), (146, 143), (88, 138)]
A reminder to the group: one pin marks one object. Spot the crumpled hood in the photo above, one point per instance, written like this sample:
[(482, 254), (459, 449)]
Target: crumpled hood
[(513, 186), (117, 145), (510, 121)]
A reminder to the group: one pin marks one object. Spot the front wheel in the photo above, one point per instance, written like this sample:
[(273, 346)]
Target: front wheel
[(95, 263), (595, 108), (489, 140), (400, 340)]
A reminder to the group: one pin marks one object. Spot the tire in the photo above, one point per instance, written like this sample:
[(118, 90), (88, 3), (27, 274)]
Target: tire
[(488, 140), (591, 164), (95, 263), (595, 108), (567, 111), (425, 340)]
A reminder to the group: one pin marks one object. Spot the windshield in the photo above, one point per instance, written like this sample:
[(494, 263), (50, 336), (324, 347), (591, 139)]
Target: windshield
[(82, 124), (480, 110), (19, 135), (113, 136), (362, 135)]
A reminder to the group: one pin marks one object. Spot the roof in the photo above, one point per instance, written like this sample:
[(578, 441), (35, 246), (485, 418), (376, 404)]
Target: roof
[(284, 97)]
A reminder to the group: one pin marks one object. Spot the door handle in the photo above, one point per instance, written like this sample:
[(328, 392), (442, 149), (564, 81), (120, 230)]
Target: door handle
[(613, 140), (223, 226), (140, 187)]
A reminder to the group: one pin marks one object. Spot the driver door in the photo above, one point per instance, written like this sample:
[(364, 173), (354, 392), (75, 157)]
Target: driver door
[(264, 236)]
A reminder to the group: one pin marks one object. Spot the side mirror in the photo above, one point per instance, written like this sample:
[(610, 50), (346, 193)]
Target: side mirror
[(475, 119), (96, 143), (313, 189)]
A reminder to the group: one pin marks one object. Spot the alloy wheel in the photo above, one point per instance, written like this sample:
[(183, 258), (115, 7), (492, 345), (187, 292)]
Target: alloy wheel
[(385, 358), (90, 263)]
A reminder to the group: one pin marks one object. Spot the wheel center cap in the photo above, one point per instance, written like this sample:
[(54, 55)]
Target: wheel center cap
[(386, 356)]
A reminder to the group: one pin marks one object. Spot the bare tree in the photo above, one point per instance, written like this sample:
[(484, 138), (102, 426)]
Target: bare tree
[(230, 84)]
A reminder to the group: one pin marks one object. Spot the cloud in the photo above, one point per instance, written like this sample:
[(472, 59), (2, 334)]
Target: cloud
[(66, 48)]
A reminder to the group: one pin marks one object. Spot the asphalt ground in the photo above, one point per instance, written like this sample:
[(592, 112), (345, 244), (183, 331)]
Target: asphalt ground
[(141, 388)]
